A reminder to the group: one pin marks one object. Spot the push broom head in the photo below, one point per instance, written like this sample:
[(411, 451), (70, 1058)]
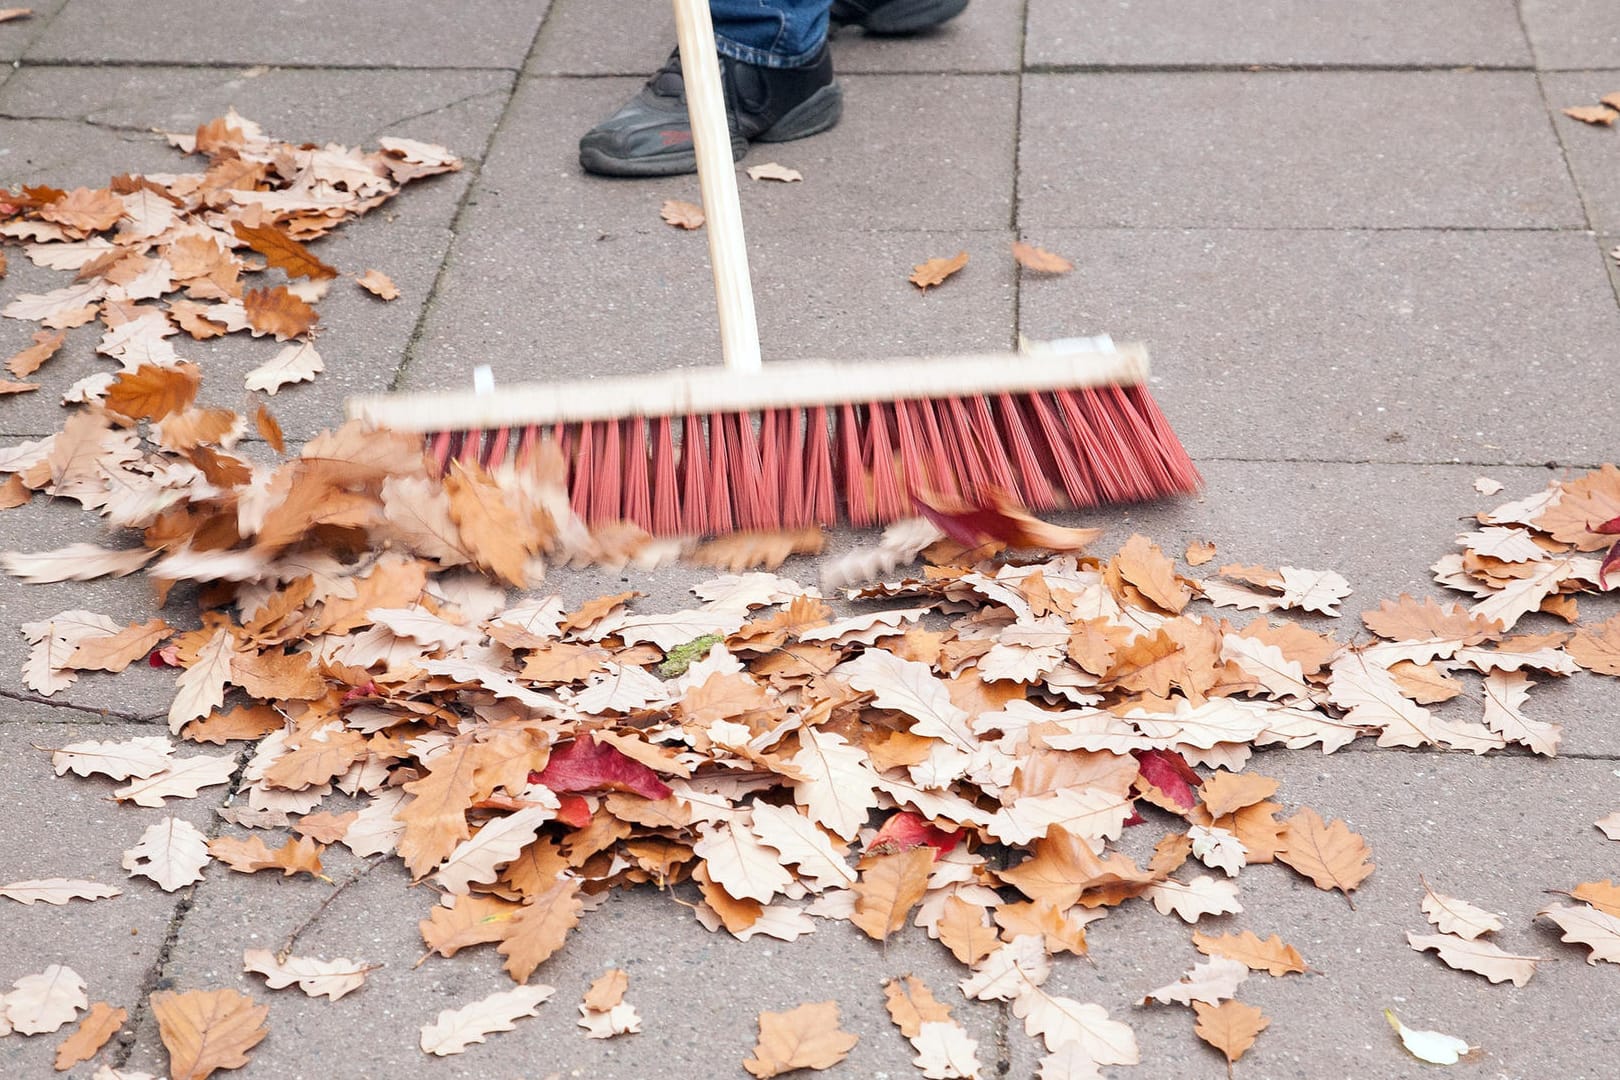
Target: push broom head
[(711, 451)]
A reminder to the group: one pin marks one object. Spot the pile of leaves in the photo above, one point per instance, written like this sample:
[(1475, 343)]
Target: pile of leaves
[(194, 241), (961, 754), (951, 729)]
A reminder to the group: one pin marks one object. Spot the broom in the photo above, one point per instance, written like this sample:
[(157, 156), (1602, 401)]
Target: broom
[(796, 444)]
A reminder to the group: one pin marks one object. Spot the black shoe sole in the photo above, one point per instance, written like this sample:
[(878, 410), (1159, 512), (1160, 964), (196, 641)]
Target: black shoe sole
[(815, 114), (910, 16)]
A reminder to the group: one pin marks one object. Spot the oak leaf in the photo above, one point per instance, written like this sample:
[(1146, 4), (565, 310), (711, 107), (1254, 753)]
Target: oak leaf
[(278, 312), (1199, 552), (457, 1029), (538, 928), (1479, 957), (28, 361), (1270, 955), (1040, 260), (378, 284), (1597, 648), (994, 514), (317, 978), (911, 1004), (1610, 825), (85, 210), (1192, 900), (1603, 895), (770, 170), (42, 1003), (621, 1019), (100, 1025), (607, 990), (292, 364), (1009, 971), (499, 842), (963, 929), (1212, 981), (1427, 631), (207, 1030), (489, 526), (142, 756), (750, 550), (1598, 930), (807, 1037), (183, 779), (57, 891), (473, 920), (171, 852), (1230, 1027), (200, 688), (76, 562), (283, 252), (153, 391), (1060, 1021), (1593, 114), (889, 887), (682, 214), (1505, 694), (934, 271), (1226, 792), (801, 843), (838, 786), (1330, 855), (436, 819)]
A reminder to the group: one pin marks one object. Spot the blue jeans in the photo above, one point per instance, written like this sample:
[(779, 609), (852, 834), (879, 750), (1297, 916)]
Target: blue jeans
[(770, 33)]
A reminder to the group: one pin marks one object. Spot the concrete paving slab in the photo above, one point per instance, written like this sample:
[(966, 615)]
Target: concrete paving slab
[(985, 37), (1593, 152), (1497, 832), (68, 827), (17, 34), (354, 33), (698, 993), (905, 156), (1357, 346), (1269, 150), (1163, 32), (40, 525), (640, 298), (1572, 33)]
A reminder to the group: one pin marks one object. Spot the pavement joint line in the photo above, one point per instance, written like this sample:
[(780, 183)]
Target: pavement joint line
[(1269, 69), (435, 110), (242, 65), (1015, 209), (1524, 32), (140, 1008), (469, 197), (1414, 463)]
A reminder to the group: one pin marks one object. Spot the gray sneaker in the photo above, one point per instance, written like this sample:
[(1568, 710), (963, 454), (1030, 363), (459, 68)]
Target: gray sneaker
[(650, 135)]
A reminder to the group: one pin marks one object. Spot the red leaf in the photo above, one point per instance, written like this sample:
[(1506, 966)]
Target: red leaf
[(1169, 772), (1610, 526), (905, 830), (573, 811), (1608, 563), (994, 514), (586, 765)]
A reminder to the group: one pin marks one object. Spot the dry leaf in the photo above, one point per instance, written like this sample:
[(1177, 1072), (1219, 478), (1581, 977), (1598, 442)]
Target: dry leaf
[(457, 1029), (57, 891), (1230, 1027), (295, 363), (1431, 1046), (755, 550), (1610, 825), (171, 852), (539, 927), (183, 779), (889, 887), (378, 284), (1270, 955), (807, 1037), (1459, 917), (1593, 114), (1479, 957), (1598, 930), (1212, 981), (278, 312), (1332, 856), (153, 391), (142, 756), (772, 171), (207, 1030), (42, 1003), (28, 361), (935, 271), (317, 978), (8, 14), (94, 1030), (283, 252), (682, 215), (1200, 552), (1040, 260), (911, 1005)]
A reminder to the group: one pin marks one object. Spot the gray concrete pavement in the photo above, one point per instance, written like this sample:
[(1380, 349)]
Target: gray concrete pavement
[(1369, 256)]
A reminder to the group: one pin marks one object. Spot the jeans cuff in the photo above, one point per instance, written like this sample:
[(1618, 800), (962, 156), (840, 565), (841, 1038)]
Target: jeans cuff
[(759, 57)]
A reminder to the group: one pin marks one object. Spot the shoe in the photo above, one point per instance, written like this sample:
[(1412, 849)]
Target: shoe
[(894, 16), (651, 136)]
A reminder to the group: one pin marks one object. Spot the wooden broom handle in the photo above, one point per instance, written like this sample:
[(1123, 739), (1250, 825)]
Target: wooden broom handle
[(717, 176)]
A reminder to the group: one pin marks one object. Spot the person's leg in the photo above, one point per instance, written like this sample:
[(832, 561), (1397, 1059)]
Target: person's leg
[(894, 16), (778, 81)]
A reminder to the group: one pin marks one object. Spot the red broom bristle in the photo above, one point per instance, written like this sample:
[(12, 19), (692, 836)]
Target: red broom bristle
[(820, 500), (694, 477), (1032, 483), (1063, 452), (857, 494), (637, 499), (912, 477), (745, 473), (770, 465), (666, 497), (887, 499), (582, 477), (721, 515)]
